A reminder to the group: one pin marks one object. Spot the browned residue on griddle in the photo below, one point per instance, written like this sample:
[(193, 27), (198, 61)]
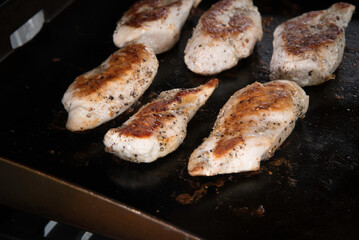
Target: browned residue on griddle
[(337, 96), (242, 211), (258, 212), (282, 169), (266, 21), (186, 198), (279, 162)]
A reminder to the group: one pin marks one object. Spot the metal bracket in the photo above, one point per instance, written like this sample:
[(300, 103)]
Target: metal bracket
[(28, 30)]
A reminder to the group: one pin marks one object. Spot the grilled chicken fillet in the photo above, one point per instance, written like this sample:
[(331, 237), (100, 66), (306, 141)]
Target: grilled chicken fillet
[(309, 48), (108, 90), (224, 34), (156, 23), (249, 128), (159, 127)]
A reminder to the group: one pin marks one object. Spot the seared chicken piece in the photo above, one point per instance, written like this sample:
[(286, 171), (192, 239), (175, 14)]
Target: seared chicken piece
[(309, 48), (249, 128), (108, 90), (156, 23), (225, 34), (159, 127)]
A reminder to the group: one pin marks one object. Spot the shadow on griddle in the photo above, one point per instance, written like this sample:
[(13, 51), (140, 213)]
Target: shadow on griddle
[(131, 175)]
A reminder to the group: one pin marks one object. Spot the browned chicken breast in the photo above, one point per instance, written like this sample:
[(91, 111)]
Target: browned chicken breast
[(108, 90), (156, 23), (249, 128), (309, 48), (225, 34), (159, 127)]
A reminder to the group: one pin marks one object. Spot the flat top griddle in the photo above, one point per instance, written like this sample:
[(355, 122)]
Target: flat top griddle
[(308, 189)]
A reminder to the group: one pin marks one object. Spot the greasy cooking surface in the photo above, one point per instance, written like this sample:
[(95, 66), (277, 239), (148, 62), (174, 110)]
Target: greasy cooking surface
[(309, 188)]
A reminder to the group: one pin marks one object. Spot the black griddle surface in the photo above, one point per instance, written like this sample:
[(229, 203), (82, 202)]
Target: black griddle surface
[(308, 189)]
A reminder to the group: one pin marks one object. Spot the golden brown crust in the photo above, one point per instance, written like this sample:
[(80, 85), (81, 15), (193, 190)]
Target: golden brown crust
[(258, 100), (300, 37), (143, 3), (153, 10), (145, 125), (342, 5), (237, 23), (150, 118), (120, 63)]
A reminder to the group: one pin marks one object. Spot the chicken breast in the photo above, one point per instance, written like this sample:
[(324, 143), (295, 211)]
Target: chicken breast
[(159, 127), (108, 90), (156, 23), (309, 48), (249, 128), (224, 34)]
